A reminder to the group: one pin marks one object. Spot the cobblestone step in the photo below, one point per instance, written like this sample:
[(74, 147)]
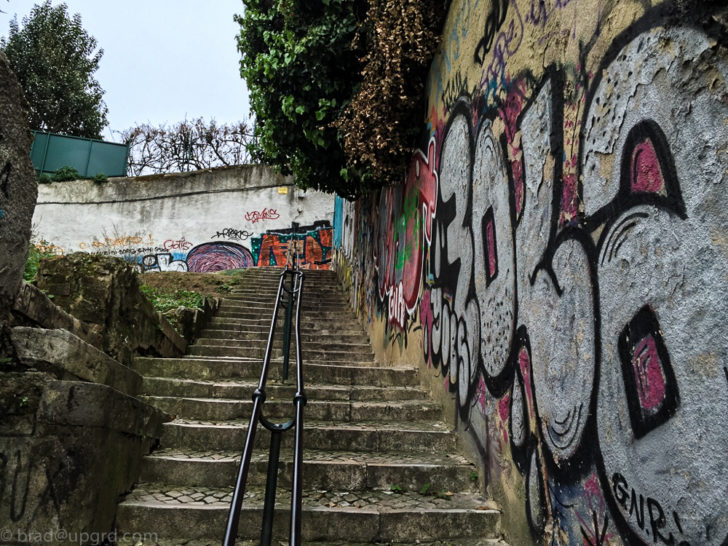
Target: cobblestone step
[(150, 540), (372, 516), (343, 470), (413, 437), (243, 390), (341, 373), (218, 409)]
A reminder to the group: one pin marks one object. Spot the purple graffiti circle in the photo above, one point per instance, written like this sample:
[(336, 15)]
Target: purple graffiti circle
[(209, 257)]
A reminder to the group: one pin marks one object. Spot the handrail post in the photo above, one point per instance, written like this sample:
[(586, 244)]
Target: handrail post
[(299, 401), (287, 330), (271, 483)]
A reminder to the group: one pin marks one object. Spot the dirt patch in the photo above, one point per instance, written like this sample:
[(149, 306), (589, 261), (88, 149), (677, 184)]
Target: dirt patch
[(207, 284)]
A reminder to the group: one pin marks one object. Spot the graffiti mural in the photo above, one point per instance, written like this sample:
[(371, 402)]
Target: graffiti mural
[(405, 217), (313, 248), (560, 250), (209, 257)]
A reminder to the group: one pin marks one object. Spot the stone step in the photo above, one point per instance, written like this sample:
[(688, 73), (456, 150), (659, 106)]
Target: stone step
[(308, 281), (330, 470), (308, 353), (411, 437), (224, 368), (329, 294), (266, 309), (267, 287), (339, 516), (243, 390), (263, 327), (308, 324), (260, 335), (259, 299), (310, 346), (220, 409)]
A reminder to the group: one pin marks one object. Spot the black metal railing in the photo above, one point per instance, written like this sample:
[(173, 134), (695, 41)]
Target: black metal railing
[(290, 288)]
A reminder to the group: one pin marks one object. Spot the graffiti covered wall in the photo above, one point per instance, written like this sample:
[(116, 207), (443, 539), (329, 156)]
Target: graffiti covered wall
[(557, 257), (204, 221)]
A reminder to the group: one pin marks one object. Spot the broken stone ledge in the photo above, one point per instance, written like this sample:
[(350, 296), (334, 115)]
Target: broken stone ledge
[(103, 292), (65, 356)]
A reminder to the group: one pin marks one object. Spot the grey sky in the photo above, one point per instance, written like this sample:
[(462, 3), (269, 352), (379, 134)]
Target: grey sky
[(163, 59)]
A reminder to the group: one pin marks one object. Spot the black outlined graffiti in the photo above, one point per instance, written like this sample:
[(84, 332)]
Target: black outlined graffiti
[(575, 271), (232, 234), (493, 23)]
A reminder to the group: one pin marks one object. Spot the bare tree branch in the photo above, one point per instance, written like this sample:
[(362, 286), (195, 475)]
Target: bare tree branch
[(187, 145)]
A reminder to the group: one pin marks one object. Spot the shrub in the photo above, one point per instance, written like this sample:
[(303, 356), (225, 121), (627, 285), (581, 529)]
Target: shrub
[(65, 174)]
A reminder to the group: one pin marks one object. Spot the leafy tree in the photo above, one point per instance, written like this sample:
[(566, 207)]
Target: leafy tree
[(54, 59), (301, 70), (337, 86), (187, 145)]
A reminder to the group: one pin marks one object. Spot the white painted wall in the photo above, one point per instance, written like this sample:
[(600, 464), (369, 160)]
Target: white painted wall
[(160, 215)]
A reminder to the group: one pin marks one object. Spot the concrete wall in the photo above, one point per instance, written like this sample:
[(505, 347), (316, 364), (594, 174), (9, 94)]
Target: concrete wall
[(200, 221), (556, 262)]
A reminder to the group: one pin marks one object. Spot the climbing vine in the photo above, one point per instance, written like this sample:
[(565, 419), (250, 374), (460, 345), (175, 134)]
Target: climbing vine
[(337, 86)]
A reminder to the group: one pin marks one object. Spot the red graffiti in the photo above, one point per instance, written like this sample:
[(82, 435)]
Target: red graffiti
[(405, 224), (422, 175), (255, 216), (177, 244), (646, 175)]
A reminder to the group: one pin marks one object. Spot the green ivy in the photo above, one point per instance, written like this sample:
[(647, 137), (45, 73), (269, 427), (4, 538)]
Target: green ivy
[(165, 301), (302, 70), (35, 255), (337, 86)]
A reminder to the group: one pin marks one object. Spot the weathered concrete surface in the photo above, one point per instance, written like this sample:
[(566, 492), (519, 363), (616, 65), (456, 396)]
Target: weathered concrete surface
[(67, 451), (63, 355), (103, 292), (17, 186), (556, 261), (190, 322), (200, 221), (33, 307)]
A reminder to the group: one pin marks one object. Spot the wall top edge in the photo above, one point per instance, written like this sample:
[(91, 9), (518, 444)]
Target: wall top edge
[(159, 186)]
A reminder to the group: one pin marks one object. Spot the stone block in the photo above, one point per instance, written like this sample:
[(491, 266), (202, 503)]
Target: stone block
[(65, 356), (18, 188), (68, 451), (103, 292)]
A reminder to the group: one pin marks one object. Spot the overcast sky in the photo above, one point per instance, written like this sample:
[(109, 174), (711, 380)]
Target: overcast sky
[(163, 59)]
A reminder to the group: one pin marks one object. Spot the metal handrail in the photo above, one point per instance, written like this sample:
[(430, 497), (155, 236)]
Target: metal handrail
[(276, 430)]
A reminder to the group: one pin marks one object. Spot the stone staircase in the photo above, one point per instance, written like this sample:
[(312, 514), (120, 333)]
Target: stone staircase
[(379, 463)]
